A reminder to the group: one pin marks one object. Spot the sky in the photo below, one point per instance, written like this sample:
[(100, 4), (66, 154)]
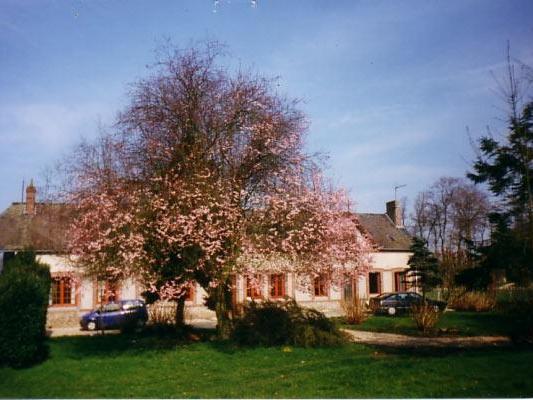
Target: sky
[(390, 88)]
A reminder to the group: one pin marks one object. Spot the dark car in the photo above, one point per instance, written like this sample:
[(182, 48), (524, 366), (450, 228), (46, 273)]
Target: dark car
[(400, 302), (120, 315)]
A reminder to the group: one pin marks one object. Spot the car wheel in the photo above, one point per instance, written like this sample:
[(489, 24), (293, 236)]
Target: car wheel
[(91, 326), (436, 308), (391, 311)]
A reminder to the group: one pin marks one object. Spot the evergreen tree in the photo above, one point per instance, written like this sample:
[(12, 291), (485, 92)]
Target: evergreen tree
[(424, 267), (507, 168)]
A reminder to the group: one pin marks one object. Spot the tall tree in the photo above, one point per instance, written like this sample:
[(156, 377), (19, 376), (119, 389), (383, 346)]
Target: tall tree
[(506, 165), (206, 177)]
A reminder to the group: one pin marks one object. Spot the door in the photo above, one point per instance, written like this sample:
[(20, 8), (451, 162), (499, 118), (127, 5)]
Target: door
[(111, 316), (350, 290)]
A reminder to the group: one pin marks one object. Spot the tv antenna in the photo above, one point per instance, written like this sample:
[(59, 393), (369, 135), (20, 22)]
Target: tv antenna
[(396, 190)]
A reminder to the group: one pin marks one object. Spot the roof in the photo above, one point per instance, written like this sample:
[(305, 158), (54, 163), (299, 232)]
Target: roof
[(45, 231), (384, 233)]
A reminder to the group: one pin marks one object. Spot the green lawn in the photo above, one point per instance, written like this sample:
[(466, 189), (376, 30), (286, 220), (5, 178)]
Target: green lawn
[(451, 323), (134, 366)]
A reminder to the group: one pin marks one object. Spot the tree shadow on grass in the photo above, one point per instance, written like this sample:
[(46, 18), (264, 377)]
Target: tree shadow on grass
[(111, 345), (135, 343)]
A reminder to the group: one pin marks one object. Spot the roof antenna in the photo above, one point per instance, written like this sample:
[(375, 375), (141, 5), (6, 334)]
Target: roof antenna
[(22, 192), (396, 190)]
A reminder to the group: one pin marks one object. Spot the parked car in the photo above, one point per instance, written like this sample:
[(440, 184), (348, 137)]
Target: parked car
[(400, 302), (121, 315)]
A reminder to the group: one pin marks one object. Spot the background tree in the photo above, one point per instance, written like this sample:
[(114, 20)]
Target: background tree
[(451, 216), (204, 177)]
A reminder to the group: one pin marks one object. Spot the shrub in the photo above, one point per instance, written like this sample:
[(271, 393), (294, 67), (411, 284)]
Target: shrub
[(285, 323), (162, 313), (24, 290), (425, 316), (356, 311), (473, 301), (517, 305)]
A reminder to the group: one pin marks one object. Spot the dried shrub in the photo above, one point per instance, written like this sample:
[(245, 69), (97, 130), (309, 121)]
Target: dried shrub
[(425, 316), (356, 311), (162, 313), (473, 301)]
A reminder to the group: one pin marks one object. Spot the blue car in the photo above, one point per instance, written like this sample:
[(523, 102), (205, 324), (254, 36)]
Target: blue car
[(121, 315)]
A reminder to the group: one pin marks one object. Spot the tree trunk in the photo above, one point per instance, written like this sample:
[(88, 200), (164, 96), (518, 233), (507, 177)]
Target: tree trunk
[(223, 312), (180, 312)]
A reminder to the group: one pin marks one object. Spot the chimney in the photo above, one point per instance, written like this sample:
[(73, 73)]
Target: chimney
[(394, 211), (31, 193)]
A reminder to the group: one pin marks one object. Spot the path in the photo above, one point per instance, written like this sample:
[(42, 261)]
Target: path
[(76, 331), (395, 340)]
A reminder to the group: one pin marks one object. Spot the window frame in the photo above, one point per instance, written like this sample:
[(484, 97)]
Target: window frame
[(64, 283), (190, 292), (321, 282), (251, 292), (107, 287), (277, 281), (400, 281)]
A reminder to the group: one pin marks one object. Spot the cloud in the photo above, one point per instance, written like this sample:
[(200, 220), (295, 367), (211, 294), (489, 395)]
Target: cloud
[(48, 127)]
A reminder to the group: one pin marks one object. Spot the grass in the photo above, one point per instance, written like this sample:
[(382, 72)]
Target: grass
[(451, 323), (138, 366)]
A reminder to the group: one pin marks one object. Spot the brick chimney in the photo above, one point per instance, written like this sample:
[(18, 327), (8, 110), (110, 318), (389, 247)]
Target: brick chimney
[(31, 193), (394, 211)]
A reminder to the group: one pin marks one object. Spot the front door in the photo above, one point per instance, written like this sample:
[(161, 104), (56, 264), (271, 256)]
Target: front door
[(350, 290)]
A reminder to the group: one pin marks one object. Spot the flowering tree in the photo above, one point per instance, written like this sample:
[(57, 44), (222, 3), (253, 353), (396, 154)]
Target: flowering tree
[(206, 177)]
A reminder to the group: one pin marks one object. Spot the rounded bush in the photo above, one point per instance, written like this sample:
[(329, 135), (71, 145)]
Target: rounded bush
[(24, 293), (285, 323)]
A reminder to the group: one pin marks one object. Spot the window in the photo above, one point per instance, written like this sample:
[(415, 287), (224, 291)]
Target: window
[(277, 285), (61, 291), (321, 285), (107, 292), (374, 282), (400, 281), (253, 289)]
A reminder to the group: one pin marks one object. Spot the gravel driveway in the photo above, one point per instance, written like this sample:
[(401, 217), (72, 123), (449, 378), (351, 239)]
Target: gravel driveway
[(395, 340)]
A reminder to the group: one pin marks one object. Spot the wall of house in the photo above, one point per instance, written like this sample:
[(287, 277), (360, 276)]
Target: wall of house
[(385, 262)]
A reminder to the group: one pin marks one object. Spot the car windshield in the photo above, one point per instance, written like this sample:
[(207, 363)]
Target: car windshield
[(130, 304), (110, 307)]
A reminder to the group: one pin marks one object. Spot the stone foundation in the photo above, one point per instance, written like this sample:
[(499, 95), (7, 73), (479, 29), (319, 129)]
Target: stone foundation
[(62, 318)]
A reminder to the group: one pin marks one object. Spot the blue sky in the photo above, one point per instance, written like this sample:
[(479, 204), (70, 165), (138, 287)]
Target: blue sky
[(389, 87)]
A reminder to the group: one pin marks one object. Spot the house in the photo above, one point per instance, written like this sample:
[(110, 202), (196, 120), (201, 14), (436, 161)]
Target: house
[(43, 227)]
